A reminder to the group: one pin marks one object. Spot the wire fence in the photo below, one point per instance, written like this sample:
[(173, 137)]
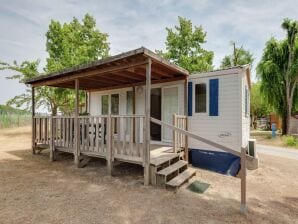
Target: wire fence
[(14, 120)]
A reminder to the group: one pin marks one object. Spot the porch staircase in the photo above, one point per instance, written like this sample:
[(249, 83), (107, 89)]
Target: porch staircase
[(170, 171)]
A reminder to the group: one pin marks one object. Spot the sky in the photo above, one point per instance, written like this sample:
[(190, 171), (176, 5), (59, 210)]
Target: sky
[(132, 24)]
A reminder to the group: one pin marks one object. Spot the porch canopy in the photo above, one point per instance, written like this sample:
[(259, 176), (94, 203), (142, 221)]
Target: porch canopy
[(123, 70)]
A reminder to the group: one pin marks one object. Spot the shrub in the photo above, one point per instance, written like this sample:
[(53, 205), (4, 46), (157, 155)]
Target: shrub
[(290, 140)]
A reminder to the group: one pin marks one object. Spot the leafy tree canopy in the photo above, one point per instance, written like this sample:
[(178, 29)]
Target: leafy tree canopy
[(240, 56), (258, 105), (67, 44), (74, 43), (278, 72), (184, 47)]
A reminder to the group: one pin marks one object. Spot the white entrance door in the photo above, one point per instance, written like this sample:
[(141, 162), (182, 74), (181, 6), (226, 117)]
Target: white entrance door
[(169, 107)]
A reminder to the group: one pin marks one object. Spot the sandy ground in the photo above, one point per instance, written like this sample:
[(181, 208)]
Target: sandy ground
[(34, 190)]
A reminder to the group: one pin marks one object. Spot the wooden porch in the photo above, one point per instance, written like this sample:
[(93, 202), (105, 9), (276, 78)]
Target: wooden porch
[(110, 137)]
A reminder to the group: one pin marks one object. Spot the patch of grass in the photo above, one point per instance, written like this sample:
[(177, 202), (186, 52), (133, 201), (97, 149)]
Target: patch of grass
[(14, 120), (255, 133), (290, 140)]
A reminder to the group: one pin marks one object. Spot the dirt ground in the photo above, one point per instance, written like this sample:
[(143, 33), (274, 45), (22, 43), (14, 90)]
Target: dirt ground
[(34, 190)]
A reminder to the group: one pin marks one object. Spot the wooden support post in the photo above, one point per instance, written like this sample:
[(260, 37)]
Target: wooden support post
[(186, 142), (243, 181), (186, 114), (174, 135), (52, 142), (109, 155), (33, 120), (147, 124), (134, 112), (76, 150), (86, 102)]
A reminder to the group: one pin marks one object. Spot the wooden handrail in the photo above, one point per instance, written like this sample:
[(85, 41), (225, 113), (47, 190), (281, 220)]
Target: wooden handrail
[(194, 136)]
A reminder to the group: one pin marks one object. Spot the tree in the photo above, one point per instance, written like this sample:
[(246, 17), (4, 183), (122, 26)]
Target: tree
[(258, 105), (184, 47), (239, 56), (67, 44), (74, 43), (278, 71)]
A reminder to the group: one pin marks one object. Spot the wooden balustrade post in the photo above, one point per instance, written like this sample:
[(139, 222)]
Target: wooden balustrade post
[(186, 140), (147, 124), (52, 142), (33, 120), (109, 156), (76, 150), (243, 181), (174, 134), (186, 117)]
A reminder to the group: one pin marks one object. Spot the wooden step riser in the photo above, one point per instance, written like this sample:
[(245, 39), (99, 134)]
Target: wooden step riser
[(155, 169), (161, 180), (178, 181)]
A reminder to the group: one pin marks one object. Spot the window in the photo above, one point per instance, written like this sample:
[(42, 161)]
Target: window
[(200, 98), (115, 104), (104, 104), (129, 102)]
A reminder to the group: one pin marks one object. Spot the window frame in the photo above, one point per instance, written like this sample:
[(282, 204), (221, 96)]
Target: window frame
[(194, 98)]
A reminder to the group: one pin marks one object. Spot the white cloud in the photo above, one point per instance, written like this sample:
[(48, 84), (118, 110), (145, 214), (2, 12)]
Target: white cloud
[(131, 24)]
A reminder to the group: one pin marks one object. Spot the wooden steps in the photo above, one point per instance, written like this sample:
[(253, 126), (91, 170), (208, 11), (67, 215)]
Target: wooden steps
[(181, 178), (167, 157), (172, 168), (167, 169), (170, 172)]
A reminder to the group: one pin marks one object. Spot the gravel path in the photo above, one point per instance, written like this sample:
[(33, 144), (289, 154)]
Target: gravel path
[(278, 151)]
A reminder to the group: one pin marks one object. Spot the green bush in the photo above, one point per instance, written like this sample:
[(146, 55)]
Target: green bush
[(14, 120), (290, 140)]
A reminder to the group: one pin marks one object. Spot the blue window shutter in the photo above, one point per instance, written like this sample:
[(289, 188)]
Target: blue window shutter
[(189, 99), (213, 97)]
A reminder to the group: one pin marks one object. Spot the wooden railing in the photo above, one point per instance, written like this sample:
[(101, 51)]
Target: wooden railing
[(196, 137), (127, 141), (93, 134), (41, 130), (180, 139), (63, 132), (124, 134)]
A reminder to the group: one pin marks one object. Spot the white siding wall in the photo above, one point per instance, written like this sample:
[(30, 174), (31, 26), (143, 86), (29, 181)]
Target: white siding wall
[(231, 119), (215, 128), (140, 98), (95, 99), (245, 118)]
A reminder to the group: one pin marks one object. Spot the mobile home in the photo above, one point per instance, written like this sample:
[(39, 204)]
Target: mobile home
[(145, 110)]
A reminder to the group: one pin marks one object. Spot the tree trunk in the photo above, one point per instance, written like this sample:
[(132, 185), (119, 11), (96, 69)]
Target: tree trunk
[(54, 111), (289, 114), (284, 125)]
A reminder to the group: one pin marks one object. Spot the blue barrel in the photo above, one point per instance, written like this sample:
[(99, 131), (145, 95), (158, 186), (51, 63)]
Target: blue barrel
[(273, 129)]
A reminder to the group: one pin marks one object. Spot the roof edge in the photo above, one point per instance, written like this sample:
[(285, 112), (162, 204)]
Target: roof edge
[(82, 67)]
